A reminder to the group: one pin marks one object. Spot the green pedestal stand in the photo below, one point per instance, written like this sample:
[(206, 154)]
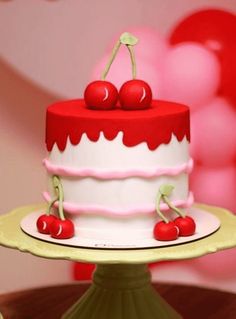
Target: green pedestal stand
[(121, 287), (121, 291)]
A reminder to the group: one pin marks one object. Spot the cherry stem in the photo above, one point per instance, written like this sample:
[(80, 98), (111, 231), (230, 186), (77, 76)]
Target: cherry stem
[(133, 62), (112, 58), (59, 190), (50, 206), (168, 202), (158, 201)]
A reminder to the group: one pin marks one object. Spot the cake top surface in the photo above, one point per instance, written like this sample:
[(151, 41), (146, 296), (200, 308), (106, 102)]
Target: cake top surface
[(155, 125)]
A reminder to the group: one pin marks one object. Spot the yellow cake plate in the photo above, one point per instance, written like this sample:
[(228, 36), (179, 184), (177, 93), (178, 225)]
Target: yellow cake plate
[(121, 286)]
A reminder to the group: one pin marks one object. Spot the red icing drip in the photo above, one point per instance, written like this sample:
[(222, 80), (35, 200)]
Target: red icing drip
[(153, 126)]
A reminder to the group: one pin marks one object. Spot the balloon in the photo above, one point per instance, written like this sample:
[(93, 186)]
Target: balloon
[(213, 28), (151, 45), (121, 71), (83, 271), (214, 186), (228, 87), (213, 135), (191, 75), (225, 261)]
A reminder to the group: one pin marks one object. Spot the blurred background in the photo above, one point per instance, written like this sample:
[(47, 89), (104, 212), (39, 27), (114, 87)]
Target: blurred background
[(50, 50)]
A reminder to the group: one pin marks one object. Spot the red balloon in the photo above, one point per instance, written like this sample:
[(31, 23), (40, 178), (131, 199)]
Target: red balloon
[(228, 85), (213, 28)]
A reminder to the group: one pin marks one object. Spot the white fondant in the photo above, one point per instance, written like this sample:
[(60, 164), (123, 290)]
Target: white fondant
[(111, 211), (114, 154), (119, 195)]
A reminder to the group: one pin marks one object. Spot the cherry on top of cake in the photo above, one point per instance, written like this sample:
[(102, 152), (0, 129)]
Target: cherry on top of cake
[(104, 109)]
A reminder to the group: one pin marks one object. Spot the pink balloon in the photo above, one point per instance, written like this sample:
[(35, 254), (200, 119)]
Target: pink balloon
[(151, 45), (225, 261), (191, 75), (121, 71), (213, 135), (214, 186)]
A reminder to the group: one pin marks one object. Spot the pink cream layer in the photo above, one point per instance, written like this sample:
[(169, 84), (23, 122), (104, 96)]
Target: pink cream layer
[(116, 174), (135, 210)]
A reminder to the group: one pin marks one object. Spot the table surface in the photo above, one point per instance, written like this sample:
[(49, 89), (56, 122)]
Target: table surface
[(51, 302)]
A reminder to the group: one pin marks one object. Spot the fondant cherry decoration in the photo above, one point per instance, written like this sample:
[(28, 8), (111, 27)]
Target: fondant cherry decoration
[(135, 95), (165, 231), (186, 225), (44, 222), (62, 229), (101, 95)]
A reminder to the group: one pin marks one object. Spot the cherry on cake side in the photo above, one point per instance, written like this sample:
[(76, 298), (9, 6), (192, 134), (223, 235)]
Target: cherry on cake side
[(170, 230), (49, 224), (60, 228), (186, 225), (43, 223), (165, 231)]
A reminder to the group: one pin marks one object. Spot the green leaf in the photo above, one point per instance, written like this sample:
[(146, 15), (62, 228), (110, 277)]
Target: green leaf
[(128, 39), (166, 189)]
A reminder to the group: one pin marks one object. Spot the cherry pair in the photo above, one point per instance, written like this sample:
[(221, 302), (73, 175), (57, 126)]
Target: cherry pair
[(181, 226), (103, 95), (56, 227)]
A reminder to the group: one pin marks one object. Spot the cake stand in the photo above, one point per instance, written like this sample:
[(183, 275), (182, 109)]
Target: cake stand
[(121, 287)]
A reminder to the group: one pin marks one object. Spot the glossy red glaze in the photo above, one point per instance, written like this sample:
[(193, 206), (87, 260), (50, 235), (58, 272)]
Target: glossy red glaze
[(154, 125)]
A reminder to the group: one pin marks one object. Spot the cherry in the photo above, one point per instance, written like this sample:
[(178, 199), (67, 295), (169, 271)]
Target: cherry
[(62, 229), (165, 231), (44, 222), (186, 225), (101, 95), (135, 95)]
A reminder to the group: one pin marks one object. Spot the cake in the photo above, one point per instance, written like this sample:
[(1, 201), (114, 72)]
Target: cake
[(122, 163), (112, 163)]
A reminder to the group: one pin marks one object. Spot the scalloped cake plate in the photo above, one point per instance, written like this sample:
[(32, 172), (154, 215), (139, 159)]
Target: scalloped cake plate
[(205, 221)]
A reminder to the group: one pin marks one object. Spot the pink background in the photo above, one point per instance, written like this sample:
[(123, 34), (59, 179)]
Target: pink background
[(48, 50)]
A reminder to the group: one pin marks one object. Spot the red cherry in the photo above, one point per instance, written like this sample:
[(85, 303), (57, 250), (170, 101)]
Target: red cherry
[(44, 222), (62, 229), (186, 225), (135, 95), (165, 231), (101, 95)]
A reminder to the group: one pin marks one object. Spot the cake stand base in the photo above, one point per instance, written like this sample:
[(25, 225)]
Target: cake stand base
[(121, 292)]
